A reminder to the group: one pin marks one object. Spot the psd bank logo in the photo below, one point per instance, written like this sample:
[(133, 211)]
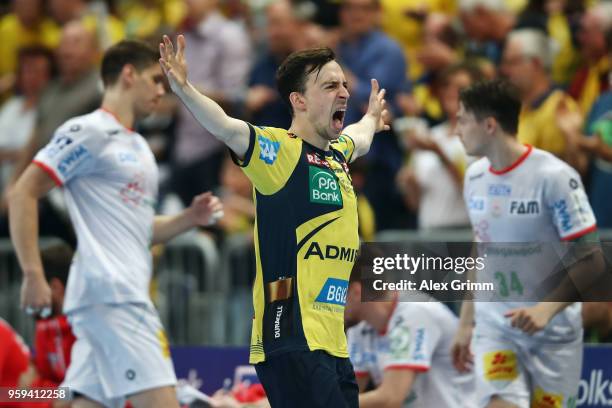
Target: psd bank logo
[(269, 149), (324, 187)]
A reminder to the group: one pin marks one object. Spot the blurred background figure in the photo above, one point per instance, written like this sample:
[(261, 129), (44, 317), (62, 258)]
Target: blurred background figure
[(27, 25), (366, 52), (219, 56), (527, 63), (18, 115), (263, 104), (14, 356), (77, 86), (94, 15), (432, 182), (591, 78)]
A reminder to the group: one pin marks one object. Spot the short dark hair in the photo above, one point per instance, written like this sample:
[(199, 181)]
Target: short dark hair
[(291, 76), (56, 260), (496, 98), (136, 53)]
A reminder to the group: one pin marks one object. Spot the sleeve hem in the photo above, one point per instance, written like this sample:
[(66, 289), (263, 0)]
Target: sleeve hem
[(49, 171), (581, 233), (412, 367), (247, 156), (348, 159), (361, 373)]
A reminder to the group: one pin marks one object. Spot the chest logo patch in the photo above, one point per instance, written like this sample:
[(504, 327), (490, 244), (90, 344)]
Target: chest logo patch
[(323, 187)]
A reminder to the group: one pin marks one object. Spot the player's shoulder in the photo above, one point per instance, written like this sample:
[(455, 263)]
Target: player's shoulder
[(90, 124), (477, 169), (546, 164)]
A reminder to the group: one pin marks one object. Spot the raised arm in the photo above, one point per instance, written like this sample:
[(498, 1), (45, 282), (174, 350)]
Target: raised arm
[(373, 121), (233, 132), (23, 217)]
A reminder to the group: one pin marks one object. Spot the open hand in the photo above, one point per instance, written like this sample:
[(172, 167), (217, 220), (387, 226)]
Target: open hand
[(173, 63), (376, 107)]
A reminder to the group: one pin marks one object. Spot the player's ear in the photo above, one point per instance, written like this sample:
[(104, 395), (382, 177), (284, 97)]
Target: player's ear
[(297, 101), (128, 73), (491, 125)]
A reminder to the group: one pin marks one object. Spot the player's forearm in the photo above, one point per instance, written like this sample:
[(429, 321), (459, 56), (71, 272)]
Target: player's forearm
[(379, 399), (466, 317), (23, 219), (362, 134), (166, 227), (214, 119), (554, 307)]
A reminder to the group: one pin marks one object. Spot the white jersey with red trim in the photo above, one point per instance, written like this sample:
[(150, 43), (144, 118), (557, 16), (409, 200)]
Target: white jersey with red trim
[(110, 179), (533, 205), (418, 338)]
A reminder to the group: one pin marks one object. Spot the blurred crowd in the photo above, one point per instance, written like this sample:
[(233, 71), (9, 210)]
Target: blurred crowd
[(558, 53)]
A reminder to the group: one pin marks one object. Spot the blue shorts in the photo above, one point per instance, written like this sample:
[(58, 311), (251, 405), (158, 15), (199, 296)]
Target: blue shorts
[(309, 379)]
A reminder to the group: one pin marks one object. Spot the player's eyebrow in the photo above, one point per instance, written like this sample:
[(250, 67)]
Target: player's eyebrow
[(333, 82)]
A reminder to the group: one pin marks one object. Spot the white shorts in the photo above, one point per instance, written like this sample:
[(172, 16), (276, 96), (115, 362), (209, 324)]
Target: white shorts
[(526, 373), (121, 349)]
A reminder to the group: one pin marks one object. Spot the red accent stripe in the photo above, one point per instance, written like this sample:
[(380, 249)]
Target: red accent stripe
[(361, 373), (513, 165), (580, 233), (413, 367), (116, 118), (49, 171)]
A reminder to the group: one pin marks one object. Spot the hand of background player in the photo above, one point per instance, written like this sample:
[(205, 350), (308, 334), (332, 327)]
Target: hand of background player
[(173, 64), (205, 209), (376, 107), (460, 349), (531, 319), (35, 294)]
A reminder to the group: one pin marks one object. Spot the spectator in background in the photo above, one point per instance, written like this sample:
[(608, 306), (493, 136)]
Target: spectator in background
[(432, 181), (219, 58), (263, 103), (90, 14), (527, 63), (148, 19), (405, 20), (74, 92), (592, 79), (18, 115), (25, 26), (366, 52), (486, 23)]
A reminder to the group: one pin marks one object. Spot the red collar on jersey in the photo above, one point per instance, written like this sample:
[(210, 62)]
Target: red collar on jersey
[(513, 165), (116, 118)]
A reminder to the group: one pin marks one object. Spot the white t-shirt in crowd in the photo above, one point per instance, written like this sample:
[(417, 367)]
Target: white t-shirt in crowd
[(441, 204)]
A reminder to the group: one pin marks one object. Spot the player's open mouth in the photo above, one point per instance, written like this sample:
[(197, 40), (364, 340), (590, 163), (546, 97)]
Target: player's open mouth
[(338, 119)]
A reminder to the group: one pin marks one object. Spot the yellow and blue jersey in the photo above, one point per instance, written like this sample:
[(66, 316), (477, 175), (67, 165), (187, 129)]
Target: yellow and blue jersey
[(306, 242)]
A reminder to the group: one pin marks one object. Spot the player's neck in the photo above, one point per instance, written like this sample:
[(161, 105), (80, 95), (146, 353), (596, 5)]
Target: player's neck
[(303, 129), (120, 106), (504, 152), (377, 314)]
